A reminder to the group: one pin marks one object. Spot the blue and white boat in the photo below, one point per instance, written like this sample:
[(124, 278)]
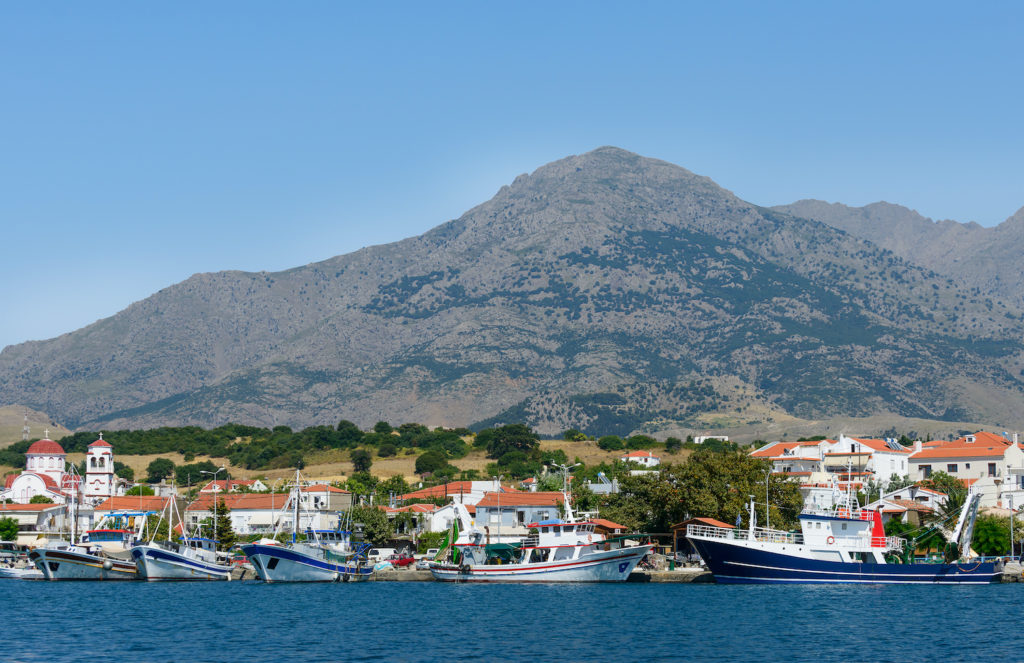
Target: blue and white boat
[(840, 544), (325, 555), (193, 558)]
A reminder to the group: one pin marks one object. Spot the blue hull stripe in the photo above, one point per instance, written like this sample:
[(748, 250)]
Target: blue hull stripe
[(163, 555), (737, 564), (285, 553)]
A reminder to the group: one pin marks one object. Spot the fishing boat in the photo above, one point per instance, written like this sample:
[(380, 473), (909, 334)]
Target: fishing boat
[(839, 544), (190, 558), (104, 553), (564, 550), (325, 555)]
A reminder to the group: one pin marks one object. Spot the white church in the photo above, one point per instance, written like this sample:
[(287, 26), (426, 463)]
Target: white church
[(45, 474)]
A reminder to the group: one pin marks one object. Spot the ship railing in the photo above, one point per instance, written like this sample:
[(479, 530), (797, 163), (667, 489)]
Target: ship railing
[(760, 534)]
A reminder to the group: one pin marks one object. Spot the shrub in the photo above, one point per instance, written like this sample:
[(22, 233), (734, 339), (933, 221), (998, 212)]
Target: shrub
[(611, 443), (386, 450)]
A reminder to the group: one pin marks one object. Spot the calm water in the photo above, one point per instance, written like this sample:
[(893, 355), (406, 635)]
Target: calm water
[(256, 623)]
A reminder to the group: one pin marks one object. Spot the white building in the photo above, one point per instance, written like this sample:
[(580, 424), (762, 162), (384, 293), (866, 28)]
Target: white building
[(43, 475), (641, 457), (985, 461), (100, 482)]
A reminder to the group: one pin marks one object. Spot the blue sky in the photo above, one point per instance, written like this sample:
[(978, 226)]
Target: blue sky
[(141, 144)]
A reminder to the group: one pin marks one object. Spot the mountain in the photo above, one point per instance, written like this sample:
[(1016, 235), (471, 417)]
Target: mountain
[(603, 291), (983, 259)]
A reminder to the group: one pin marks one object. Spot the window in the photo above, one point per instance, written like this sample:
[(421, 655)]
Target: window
[(926, 471), (951, 467), (564, 553), (967, 466), (991, 469)]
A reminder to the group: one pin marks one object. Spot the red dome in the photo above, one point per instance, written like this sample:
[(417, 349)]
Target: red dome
[(100, 443), (45, 447)]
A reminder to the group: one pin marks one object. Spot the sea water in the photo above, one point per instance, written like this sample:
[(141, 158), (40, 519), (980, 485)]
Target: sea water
[(423, 621)]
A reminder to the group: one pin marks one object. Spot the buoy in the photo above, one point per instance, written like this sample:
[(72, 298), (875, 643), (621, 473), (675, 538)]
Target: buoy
[(107, 565)]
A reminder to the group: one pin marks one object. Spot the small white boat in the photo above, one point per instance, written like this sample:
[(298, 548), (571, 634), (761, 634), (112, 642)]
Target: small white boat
[(21, 572)]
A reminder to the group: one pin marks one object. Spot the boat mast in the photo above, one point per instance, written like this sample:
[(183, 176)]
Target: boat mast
[(295, 507)]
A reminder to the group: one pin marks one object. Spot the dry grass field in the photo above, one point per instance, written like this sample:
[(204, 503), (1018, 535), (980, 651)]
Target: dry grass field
[(12, 420)]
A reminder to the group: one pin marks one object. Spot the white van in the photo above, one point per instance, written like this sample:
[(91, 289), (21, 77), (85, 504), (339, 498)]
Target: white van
[(380, 554)]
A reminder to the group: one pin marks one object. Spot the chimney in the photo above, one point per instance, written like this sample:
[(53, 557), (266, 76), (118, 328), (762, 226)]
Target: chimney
[(917, 446), (1015, 438)]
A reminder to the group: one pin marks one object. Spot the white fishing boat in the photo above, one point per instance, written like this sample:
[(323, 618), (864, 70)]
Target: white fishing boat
[(190, 558), (556, 551), (21, 572), (325, 555), (104, 554)]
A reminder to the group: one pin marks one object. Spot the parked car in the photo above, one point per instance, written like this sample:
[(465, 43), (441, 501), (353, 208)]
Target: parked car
[(430, 554), (380, 554), (402, 559), (424, 564)]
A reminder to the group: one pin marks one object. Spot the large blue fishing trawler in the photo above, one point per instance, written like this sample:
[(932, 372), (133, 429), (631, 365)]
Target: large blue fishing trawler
[(840, 544)]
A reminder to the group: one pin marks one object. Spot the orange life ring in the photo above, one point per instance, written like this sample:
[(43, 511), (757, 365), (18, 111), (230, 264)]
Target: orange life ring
[(830, 540)]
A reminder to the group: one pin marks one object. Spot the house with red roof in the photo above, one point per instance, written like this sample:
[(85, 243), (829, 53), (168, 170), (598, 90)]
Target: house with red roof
[(321, 506), (464, 492), (991, 463), (641, 457)]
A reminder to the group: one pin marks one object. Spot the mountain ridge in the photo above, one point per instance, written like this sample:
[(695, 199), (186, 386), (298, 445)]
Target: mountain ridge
[(604, 288)]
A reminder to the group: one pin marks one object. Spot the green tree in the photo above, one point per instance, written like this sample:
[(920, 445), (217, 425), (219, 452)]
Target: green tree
[(40, 499), (640, 442), (225, 534), (673, 445), (718, 484), (349, 434), (361, 460), (991, 535), (611, 443), (8, 529), (159, 469), (123, 471), (512, 437), (139, 489), (382, 427), (430, 462), (573, 435), (387, 450), (376, 527)]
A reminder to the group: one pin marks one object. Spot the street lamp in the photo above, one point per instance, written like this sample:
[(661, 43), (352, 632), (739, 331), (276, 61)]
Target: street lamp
[(219, 470)]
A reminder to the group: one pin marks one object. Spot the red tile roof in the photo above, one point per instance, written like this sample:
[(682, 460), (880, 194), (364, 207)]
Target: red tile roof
[(29, 507), (100, 443), (240, 501), (776, 449), (640, 453), (444, 490), (133, 503), (606, 524), (540, 498), (46, 447)]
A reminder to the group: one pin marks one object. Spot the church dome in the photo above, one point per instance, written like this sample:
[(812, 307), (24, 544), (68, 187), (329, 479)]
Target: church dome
[(46, 447)]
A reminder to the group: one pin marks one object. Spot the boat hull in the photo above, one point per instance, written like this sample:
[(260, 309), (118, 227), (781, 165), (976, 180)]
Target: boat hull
[(24, 574), (602, 566), (283, 564), (732, 563), (70, 565), (156, 564)]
